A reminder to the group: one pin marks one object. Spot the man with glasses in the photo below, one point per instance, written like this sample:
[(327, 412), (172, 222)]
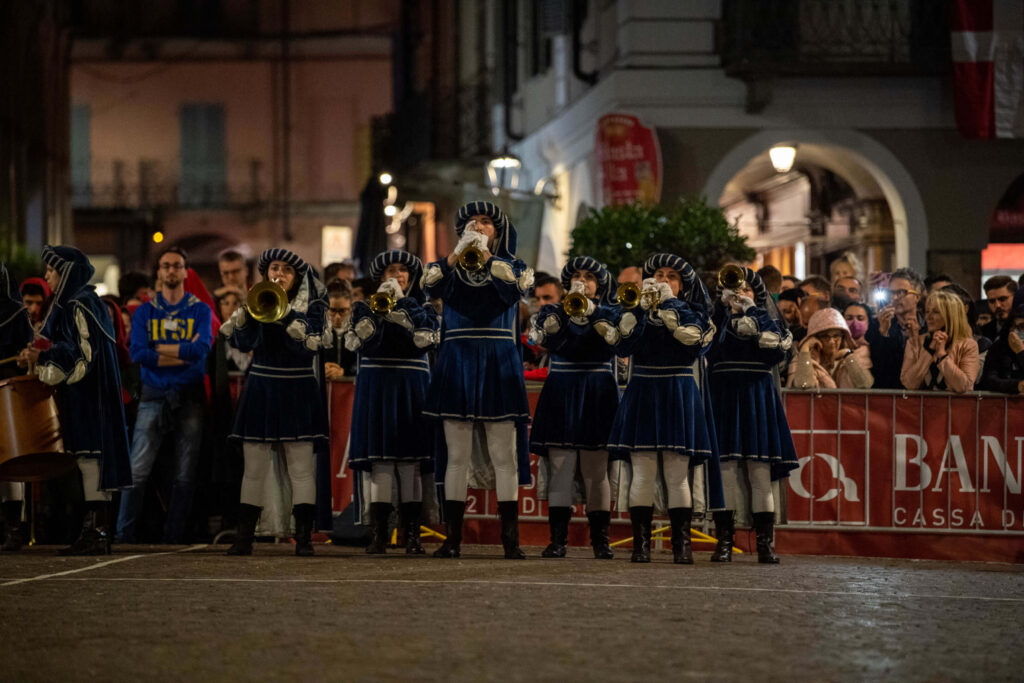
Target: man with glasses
[(887, 334), (170, 338), (234, 273), (338, 361), (999, 291)]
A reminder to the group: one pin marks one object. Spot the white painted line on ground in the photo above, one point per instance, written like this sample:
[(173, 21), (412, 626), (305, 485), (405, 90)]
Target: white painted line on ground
[(98, 565), (558, 584)]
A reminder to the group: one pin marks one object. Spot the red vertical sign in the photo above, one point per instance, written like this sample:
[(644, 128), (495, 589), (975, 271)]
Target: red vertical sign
[(628, 159)]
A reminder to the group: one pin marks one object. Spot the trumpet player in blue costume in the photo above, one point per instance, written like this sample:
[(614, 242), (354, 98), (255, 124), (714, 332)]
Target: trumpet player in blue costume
[(749, 417), (392, 334), (477, 382), (578, 402), (82, 365), (662, 412), (281, 401)]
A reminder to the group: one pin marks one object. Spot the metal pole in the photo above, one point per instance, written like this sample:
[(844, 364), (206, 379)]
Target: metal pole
[(286, 122)]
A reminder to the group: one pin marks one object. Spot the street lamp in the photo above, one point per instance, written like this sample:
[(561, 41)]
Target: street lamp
[(503, 173), (782, 157)]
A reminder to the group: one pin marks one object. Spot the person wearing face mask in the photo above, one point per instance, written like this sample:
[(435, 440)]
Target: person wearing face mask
[(750, 420), (577, 405), (827, 357), (663, 420), (281, 401), (477, 389), (942, 356), (858, 319), (389, 436)]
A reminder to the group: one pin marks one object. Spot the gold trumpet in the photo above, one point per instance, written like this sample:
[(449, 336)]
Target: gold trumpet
[(471, 259), (628, 295), (731, 276), (267, 301), (575, 304), (381, 303)]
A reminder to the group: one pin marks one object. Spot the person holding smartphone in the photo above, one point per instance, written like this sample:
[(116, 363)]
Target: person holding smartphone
[(887, 334), (942, 355)]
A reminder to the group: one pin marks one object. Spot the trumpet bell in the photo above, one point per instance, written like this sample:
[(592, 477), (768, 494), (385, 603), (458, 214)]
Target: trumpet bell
[(731, 276), (471, 259), (267, 301), (628, 295), (381, 303), (574, 304)]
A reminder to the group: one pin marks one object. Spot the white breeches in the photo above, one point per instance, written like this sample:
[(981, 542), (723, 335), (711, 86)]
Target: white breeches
[(11, 491), (90, 469), (301, 470), (382, 482), (501, 445), (594, 470), (676, 469), (760, 475)]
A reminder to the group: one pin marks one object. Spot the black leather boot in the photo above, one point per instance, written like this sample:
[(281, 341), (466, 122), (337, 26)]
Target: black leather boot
[(682, 549), (248, 516), (764, 526), (724, 530), (558, 520), (12, 527), (600, 520), (305, 514), (454, 510), (410, 513), (380, 515), (95, 536), (641, 516), (509, 512)]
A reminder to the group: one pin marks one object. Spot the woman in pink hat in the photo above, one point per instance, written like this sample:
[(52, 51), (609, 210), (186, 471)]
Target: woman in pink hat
[(828, 358)]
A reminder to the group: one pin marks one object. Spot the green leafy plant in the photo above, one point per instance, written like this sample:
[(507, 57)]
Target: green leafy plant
[(622, 236)]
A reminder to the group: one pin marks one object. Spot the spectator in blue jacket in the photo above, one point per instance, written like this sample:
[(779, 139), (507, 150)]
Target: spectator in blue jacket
[(170, 338)]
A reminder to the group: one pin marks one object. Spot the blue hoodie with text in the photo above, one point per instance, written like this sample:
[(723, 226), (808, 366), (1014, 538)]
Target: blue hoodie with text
[(187, 324)]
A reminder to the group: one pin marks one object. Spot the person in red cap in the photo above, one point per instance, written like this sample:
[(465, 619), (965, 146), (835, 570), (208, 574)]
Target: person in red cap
[(35, 297)]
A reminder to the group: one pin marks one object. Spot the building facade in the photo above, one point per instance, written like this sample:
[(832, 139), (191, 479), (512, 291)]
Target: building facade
[(861, 90)]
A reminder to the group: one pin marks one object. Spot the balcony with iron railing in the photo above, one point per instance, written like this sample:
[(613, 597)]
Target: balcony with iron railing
[(152, 183), (835, 37)]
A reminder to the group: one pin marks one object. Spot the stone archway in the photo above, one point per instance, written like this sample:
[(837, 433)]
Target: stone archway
[(866, 164)]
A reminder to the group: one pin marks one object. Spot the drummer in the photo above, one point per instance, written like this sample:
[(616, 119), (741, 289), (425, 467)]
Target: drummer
[(15, 334), (82, 365)]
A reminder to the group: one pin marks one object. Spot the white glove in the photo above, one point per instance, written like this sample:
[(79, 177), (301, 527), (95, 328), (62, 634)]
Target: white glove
[(647, 292), (607, 332), (296, 329), (525, 280), (728, 295), (468, 238), (665, 292), (741, 304), (578, 286), (551, 324), (391, 288), (237, 319), (365, 328)]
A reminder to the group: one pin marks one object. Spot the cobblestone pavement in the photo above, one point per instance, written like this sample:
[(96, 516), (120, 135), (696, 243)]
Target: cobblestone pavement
[(160, 613)]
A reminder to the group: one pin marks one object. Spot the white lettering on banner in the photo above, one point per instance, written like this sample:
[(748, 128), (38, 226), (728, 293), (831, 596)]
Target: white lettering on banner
[(991, 444), (343, 470), (918, 518), (938, 515), (901, 462), (976, 520), (953, 444), (529, 506), (957, 517), (1007, 525)]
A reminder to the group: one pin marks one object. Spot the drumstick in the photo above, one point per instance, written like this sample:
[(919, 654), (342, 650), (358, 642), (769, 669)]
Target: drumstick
[(13, 358)]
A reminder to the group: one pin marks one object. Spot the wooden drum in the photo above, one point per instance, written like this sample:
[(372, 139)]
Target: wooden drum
[(31, 448)]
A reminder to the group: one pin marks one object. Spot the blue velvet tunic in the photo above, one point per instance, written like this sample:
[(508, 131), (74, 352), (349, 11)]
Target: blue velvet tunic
[(82, 364), (580, 397), (662, 408), (749, 418), (391, 385)]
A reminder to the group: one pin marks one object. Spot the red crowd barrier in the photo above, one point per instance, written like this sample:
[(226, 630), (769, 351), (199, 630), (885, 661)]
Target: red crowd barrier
[(882, 473)]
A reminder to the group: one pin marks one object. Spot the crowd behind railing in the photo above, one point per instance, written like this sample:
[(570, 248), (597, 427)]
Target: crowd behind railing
[(888, 331)]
